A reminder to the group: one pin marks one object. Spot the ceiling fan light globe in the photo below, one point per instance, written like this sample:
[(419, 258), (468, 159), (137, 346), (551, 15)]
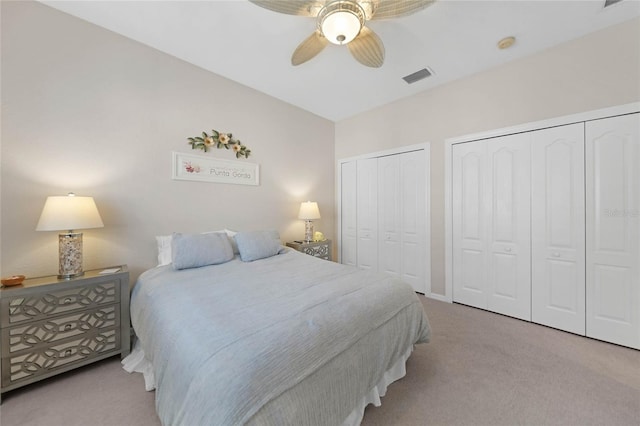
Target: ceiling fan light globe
[(340, 27)]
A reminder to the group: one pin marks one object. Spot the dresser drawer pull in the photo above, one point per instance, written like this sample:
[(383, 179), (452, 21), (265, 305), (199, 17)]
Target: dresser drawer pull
[(67, 327), (68, 352)]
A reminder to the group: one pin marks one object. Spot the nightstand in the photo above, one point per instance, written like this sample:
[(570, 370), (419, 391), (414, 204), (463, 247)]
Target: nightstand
[(50, 325), (321, 249)]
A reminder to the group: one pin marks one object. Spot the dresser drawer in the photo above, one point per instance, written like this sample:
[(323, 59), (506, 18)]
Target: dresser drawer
[(38, 334), (44, 305), (321, 251), (54, 357)]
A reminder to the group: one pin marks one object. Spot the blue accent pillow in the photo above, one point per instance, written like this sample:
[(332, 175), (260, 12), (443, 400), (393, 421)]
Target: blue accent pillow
[(254, 245), (196, 250)]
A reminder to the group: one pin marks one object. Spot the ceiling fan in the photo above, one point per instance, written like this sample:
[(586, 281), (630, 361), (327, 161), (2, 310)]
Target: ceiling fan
[(342, 22)]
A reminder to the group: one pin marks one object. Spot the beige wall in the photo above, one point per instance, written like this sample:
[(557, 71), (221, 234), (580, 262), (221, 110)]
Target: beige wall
[(89, 111), (593, 72)]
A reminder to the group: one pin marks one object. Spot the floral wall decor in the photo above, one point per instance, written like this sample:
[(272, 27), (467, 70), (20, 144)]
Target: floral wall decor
[(219, 140)]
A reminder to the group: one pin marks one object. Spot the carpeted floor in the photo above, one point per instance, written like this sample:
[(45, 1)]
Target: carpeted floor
[(479, 369)]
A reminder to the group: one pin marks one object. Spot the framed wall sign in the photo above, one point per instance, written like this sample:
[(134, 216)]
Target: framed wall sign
[(207, 169)]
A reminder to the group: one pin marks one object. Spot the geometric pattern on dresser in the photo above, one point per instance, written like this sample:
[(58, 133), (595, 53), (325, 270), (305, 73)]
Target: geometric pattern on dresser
[(50, 325), (42, 306), (32, 335), (38, 362), (317, 251)]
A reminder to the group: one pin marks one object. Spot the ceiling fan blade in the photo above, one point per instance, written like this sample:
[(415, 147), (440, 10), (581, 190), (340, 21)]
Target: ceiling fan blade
[(367, 48), (309, 48), (383, 9), (292, 7)]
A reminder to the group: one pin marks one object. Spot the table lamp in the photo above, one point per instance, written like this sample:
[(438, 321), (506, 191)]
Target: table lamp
[(308, 212), (68, 213)]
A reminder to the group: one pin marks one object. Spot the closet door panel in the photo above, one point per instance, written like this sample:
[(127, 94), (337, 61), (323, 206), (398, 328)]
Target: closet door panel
[(389, 220), (367, 213), (613, 229), (508, 214), (348, 203), (558, 223), (469, 228), (384, 217), (413, 218)]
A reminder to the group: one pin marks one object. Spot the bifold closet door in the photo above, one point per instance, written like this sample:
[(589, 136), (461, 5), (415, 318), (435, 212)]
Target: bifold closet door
[(402, 217), (367, 213), (509, 225), (558, 228), (491, 225), (349, 220), (389, 215), (613, 229), (469, 224), (413, 167)]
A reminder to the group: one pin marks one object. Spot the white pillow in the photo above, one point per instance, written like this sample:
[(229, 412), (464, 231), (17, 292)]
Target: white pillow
[(231, 234), (164, 249), (164, 245)]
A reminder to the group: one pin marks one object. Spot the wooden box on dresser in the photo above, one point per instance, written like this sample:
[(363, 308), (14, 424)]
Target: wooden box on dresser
[(50, 325)]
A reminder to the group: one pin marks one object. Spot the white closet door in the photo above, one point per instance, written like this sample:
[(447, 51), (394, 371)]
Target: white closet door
[(613, 229), (507, 187), (412, 189), (389, 219), (558, 228), (367, 213), (402, 217), (348, 214), (469, 224)]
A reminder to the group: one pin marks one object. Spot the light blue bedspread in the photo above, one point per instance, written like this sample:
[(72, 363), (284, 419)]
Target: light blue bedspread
[(290, 339)]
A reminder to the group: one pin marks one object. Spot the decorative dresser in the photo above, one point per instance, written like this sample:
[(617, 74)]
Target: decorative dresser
[(50, 325), (321, 249)]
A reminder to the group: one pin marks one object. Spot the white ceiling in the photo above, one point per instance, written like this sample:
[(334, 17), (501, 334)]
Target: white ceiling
[(253, 46)]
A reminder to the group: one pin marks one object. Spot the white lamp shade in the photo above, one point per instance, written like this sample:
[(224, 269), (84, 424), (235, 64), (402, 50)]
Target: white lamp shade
[(69, 212), (309, 211)]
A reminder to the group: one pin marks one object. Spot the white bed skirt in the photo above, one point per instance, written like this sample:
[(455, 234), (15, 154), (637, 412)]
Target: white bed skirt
[(396, 372), (136, 362)]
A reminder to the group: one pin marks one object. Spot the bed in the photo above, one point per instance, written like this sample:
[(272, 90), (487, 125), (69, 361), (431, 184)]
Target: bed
[(286, 338)]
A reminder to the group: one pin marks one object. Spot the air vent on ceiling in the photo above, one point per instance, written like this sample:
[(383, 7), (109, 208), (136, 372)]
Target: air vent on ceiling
[(418, 75), (608, 3)]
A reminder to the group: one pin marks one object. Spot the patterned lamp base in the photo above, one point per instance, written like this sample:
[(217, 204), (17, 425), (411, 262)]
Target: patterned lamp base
[(70, 255), (308, 231)]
